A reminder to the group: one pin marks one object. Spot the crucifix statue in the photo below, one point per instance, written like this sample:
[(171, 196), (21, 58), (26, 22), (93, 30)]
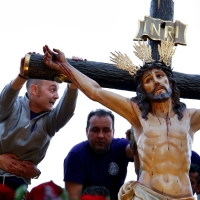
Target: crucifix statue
[(163, 126)]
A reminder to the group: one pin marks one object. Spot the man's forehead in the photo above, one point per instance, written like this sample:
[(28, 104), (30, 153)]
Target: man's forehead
[(50, 83), (100, 120)]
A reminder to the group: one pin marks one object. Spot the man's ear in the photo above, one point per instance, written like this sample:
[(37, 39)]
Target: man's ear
[(198, 189), (86, 131), (34, 89)]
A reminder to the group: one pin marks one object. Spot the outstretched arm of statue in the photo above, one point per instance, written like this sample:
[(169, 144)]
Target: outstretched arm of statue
[(89, 87)]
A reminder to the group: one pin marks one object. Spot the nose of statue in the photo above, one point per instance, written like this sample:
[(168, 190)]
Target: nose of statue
[(157, 83)]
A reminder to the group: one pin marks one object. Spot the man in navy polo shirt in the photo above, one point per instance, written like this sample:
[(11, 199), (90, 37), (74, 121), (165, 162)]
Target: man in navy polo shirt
[(101, 160)]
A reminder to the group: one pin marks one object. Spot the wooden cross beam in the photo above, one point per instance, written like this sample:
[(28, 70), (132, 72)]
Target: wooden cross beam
[(108, 76)]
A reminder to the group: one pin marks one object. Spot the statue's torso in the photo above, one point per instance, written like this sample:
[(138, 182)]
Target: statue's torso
[(164, 148)]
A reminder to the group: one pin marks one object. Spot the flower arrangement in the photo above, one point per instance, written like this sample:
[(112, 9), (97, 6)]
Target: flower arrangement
[(44, 191)]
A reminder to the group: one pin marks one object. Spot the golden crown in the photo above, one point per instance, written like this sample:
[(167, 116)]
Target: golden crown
[(143, 51)]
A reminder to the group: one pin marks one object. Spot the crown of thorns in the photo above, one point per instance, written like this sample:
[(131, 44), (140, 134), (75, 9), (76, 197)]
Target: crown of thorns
[(143, 51)]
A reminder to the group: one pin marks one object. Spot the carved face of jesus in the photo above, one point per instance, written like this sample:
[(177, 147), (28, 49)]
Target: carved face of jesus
[(156, 85), (100, 133)]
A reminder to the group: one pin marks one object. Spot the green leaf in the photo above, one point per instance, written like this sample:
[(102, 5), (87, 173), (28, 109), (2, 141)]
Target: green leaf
[(20, 192), (64, 195)]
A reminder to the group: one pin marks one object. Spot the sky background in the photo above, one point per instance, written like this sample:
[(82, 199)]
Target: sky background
[(90, 29)]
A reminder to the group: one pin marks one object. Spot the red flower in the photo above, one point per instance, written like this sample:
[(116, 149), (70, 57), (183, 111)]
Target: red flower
[(92, 197), (45, 190), (6, 193)]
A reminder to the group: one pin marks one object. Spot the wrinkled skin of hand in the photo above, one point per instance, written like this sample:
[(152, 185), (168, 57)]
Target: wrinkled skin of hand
[(10, 163), (31, 170)]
